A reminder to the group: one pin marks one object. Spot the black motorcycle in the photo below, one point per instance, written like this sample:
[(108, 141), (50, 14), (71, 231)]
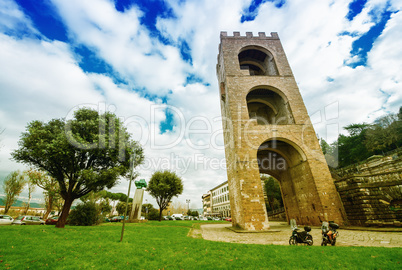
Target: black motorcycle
[(300, 237), (329, 233)]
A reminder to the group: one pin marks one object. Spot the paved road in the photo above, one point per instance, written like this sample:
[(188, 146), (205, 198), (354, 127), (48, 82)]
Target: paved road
[(280, 233)]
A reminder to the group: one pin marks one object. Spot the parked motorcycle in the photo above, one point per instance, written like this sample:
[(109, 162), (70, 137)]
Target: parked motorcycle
[(329, 233), (300, 237)]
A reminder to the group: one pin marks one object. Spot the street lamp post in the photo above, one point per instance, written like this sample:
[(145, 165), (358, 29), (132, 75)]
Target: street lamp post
[(188, 204)]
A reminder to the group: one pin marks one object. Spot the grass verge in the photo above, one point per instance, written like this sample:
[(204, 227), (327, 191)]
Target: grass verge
[(165, 245)]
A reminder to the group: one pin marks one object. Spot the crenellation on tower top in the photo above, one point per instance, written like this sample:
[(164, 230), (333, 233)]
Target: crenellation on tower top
[(261, 35)]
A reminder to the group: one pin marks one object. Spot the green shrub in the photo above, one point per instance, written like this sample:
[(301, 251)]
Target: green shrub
[(153, 214), (84, 214)]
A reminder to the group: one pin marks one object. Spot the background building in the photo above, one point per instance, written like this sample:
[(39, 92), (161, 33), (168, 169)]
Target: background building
[(216, 202), (206, 204)]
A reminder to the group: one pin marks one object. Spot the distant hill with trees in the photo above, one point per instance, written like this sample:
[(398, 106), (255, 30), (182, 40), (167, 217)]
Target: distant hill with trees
[(19, 203)]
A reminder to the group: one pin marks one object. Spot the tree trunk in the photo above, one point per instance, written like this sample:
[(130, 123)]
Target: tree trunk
[(64, 213), (26, 208), (271, 204), (6, 208), (8, 205), (160, 214), (48, 208)]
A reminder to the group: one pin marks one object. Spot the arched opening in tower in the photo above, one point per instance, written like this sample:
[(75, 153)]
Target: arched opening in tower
[(258, 61), (273, 198), (268, 107), (286, 162)]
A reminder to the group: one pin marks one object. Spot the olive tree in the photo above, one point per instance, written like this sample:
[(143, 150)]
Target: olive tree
[(88, 152), (163, 186), (31, 189), (13, 186), (50, 187)]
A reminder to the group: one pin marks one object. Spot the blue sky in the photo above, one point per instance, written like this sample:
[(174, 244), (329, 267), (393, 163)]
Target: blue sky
[(153, 64)]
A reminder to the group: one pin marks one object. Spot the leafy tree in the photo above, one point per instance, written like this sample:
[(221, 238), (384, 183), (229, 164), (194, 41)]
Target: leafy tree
[(352, 149), (87, 153), (123, 197), (58, 203), (325, 147), (149, 212), (85, 214), (273, 191), (163, 186), (31, 189), (192, 213), (49, 185), (100, 199), (105, 207), (114, 198), (121, 208), (153, 214), (385, 134), (330, 153), (13, 185)]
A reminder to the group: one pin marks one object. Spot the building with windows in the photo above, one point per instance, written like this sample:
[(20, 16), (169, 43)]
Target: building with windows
[(206, 204), (220, 200), (216, 201)]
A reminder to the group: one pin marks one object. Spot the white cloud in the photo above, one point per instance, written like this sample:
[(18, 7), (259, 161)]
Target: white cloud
[(123, 42), (12, 19)]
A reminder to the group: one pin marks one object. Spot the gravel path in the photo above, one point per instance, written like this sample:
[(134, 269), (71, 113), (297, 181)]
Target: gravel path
[(280, 233)]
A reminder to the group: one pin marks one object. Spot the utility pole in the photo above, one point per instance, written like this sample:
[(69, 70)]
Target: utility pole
[(128, 195)]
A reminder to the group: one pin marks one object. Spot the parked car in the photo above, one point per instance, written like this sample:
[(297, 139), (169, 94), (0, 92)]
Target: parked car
[(52, 220), (106, 219), (28, 220), (6, 220), (116, 219), (177, 216), (228, 219)]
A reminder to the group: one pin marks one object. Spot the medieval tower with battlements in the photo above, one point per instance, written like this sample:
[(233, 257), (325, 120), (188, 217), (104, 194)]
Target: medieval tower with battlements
[(267, 130)]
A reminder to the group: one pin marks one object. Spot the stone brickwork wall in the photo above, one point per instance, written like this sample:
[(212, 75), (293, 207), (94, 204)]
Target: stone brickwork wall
[(371, 192), (286, 147)]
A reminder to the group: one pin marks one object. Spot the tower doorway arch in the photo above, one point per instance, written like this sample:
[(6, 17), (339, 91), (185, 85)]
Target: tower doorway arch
[(287, 163)]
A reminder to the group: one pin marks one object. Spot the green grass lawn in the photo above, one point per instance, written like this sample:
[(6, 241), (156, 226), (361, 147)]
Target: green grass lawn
[(165, 245)]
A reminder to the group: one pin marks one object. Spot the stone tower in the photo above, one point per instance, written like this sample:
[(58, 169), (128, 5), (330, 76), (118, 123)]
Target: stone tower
[(267, 130)]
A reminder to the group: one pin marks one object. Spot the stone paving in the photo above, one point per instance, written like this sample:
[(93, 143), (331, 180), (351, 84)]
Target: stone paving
[(280, 233)]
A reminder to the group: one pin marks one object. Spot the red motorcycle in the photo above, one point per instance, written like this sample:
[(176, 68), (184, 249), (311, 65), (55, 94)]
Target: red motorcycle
[(329, 233)]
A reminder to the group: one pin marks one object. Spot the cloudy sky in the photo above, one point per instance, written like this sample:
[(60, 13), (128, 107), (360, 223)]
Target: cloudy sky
[(152, 63)]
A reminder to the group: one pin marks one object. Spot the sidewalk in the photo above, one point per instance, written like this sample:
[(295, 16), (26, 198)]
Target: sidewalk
[(280, 233)]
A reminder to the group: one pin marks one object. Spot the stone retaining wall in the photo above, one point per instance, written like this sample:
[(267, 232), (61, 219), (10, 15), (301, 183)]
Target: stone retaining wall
[(371, 192)]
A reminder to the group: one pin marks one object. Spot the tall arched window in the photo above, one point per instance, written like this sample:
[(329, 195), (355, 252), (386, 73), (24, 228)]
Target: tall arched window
[(258, 61)]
